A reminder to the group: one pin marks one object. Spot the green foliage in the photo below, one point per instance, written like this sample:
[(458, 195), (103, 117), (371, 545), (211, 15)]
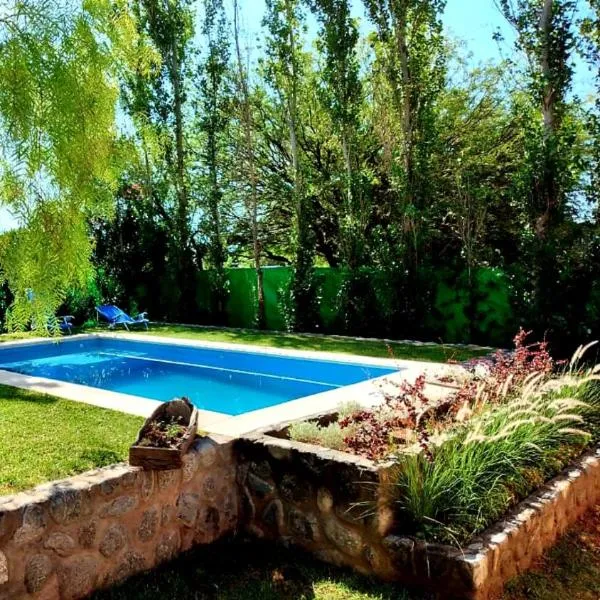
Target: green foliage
[(475, 310), (498, 457), (59, 157)]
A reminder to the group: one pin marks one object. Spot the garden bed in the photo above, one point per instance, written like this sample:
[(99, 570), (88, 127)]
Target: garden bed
[(337, 507)]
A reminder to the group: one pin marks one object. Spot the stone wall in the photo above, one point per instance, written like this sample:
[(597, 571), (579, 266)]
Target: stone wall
[(64, 539), (336, 506), (67, 538)]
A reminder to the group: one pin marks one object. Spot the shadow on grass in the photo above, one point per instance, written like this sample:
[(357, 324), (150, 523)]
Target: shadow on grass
[(100, 457), (8, 392), (238, 570)]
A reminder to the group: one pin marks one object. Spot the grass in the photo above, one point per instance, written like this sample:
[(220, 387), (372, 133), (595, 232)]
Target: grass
[(252, 571), (45, 438), (376, 348)]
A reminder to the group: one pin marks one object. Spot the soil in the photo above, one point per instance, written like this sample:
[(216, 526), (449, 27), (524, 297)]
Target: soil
[(164, 433)]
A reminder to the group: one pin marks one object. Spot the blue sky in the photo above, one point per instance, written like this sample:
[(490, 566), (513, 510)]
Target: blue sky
[(473, 21)]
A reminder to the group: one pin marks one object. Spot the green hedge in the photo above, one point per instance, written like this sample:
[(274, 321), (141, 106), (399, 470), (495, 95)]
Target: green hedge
[(451, 307)]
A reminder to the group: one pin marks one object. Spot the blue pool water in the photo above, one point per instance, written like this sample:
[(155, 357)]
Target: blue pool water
[(226, 381)]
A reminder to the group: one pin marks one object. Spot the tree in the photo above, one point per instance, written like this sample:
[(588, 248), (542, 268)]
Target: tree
[(157, 102), (546, 36), (248, 162), (342, 98), (284, 69), (213, 123), (410, 54), (60, 156)]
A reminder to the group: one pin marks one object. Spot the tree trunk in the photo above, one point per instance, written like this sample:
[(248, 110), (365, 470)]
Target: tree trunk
[(249, 157)]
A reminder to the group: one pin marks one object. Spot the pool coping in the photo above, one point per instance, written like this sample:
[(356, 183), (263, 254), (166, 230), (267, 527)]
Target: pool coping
[(364, 392)]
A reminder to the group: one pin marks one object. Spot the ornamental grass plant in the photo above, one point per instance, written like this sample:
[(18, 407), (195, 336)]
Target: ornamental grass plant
[(508, 447)]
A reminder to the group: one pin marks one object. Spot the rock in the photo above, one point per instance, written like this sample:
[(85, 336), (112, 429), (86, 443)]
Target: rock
[(166, 514), (167, 479), (119, 506), (294, 490), (114, 539), (61, 543), (190, 466), (132, 563), (260, 486), (87, 535), (324, 500), (207, 452), (147, 478), (273, 515), (167, 547), (261, 469), (67, 505), (37, 572), (77, 577), (3, 568), (110, 486), (343, 537), (187, 508), (8, 524), (33, 524), (129, 479), (148, 526), (303, 527), (209, 487), (402, 550), (279, 453)]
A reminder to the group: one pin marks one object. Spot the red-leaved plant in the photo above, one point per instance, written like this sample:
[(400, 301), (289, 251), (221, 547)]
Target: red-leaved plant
[(374, 432)]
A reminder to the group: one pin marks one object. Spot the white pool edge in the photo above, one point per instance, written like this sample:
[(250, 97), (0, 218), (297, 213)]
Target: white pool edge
[(364, 392)]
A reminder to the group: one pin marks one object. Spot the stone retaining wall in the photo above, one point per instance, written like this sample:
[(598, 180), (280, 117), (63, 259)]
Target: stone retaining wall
[(336, 506), (67, 538)]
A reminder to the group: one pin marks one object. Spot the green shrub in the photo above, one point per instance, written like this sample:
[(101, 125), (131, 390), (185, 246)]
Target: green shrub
[(331, 436), (506, 450)]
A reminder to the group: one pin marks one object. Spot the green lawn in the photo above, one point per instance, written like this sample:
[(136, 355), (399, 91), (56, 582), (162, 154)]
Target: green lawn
[(44, 438), (433, 352)]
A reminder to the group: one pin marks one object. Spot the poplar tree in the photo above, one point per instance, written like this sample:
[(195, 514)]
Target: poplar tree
[(283, 21), (213, 121)]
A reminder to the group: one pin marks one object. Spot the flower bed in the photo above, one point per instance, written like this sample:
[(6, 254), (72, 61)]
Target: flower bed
[(510, 424)]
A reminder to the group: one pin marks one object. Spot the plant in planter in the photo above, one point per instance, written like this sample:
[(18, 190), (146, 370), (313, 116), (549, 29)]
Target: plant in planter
[(165, 436)]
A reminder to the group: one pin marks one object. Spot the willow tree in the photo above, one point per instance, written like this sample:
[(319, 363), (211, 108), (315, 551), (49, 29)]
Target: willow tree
[(410, 56), (213, 123), (59, 154), (284, 63)]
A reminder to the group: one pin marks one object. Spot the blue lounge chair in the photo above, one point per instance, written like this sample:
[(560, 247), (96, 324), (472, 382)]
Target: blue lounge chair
[(65, 324), (115, 316)]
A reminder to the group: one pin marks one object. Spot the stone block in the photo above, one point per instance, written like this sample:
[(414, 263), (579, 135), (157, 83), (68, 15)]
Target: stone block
[(187, 508), (3, 568), (346, 539), (114, 539), (119, 506), (61, 543), (38, 570), (149, 524)]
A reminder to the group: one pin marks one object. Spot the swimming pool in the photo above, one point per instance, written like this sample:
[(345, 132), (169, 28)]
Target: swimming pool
[(227, 381)]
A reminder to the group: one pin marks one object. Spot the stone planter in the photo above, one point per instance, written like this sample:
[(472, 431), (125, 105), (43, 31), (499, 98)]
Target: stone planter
[(338, 507)]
